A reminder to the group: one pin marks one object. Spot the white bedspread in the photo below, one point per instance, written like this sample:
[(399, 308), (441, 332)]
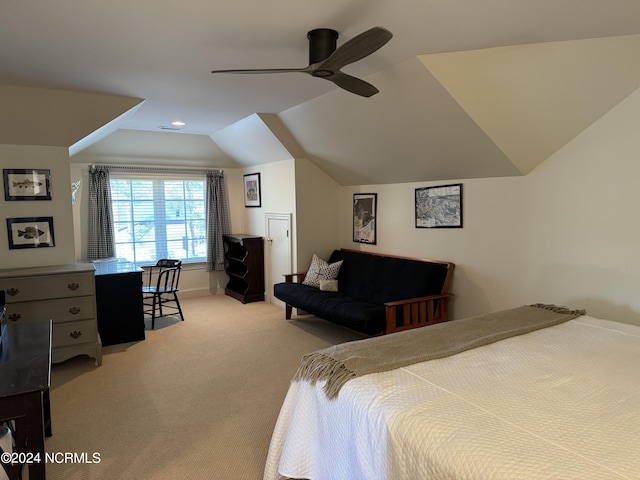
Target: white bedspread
[(558, 403)]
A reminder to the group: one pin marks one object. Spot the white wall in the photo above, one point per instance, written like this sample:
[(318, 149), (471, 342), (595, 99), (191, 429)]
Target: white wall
[(278, 195), (566, 233), (485, 251), (583, 231), (300, 188), (55, 159), (317, 207), (277, 185)]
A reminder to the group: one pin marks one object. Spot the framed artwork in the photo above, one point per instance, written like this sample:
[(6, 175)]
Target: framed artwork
[(27, 184), (439, 207), (252, 194), (30, 232), (364, 217)]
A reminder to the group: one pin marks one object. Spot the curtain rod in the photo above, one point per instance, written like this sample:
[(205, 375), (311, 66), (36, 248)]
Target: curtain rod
[(174, 170)]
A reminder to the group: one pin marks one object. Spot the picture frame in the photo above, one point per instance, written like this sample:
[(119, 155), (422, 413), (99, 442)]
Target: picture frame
[(252, 190), (26, 184), (30, 232), (439, 206), (365, 210)]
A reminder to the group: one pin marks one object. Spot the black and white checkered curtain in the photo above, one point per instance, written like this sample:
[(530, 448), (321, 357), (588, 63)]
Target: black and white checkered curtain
[(100, 233), (218, 222)]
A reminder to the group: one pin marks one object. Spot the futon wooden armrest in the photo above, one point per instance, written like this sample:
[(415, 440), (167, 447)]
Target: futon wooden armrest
[(417, 312), (292, 278), (299, 277)]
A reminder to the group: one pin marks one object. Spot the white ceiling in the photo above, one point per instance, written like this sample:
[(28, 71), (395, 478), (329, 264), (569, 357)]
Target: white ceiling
[(467, 89)]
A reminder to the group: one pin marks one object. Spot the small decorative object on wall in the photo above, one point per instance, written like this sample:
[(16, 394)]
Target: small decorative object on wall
[(252, 194), (364, 217), (29, 184), (30, 232), (439, 207), (75, 186)]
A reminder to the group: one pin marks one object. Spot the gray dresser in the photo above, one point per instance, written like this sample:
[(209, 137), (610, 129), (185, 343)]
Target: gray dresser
[(66, 295)]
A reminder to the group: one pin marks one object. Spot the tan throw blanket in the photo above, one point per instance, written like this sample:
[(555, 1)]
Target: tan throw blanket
[(341, 363)]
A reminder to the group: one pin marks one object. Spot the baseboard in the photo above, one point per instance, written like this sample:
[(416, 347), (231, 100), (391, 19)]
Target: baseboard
[(194, 292)]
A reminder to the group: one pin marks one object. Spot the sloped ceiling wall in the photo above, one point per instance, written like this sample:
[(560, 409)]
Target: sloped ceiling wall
[(472, 114), (481, 113), (158, 148), (414, 133), (251, 141), (533, 99), (58, 118)]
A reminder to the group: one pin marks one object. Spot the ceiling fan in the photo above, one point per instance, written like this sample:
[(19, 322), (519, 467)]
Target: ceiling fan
[(325, 60)]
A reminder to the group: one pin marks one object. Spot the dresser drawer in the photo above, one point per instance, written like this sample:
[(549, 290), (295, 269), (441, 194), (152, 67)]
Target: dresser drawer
[(73, 333), (59, 310), (62, 293), (25, 289)]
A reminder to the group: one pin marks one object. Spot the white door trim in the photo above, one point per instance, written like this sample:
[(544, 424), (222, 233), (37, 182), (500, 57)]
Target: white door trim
[(268, 262)]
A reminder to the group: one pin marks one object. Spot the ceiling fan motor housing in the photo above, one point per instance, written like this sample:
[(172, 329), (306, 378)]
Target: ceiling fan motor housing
[(322, 43)]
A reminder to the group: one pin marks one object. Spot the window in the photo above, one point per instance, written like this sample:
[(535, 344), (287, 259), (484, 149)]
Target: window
[(159, 218)]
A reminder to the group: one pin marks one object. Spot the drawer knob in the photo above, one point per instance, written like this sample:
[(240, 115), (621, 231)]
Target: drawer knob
[(14, 317), (73, 286), (74, 310), (12, 291), (75, 334)]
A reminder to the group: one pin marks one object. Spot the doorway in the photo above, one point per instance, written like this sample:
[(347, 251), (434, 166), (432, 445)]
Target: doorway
[(277, 252)]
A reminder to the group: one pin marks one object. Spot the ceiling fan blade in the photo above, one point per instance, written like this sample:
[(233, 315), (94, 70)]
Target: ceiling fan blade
[(355, 49), (353, 84), (265, 70)]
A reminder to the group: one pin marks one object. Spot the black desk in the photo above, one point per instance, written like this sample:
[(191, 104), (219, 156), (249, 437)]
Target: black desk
[(25, 366), (119, 302)]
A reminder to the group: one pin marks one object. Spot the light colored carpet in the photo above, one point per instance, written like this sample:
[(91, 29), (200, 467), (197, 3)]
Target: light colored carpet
[(196, 399)]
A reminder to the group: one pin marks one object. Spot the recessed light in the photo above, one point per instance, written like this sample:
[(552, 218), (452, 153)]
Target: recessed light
[(178, 123)]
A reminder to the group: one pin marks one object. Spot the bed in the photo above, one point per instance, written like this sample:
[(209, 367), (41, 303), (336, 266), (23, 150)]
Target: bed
[(558, 402)]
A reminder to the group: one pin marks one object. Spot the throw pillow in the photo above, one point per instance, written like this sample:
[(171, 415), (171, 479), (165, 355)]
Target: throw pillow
[(321, 270), (329, 285)]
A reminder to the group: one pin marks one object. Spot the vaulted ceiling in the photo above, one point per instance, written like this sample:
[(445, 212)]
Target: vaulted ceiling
[(467, 89)]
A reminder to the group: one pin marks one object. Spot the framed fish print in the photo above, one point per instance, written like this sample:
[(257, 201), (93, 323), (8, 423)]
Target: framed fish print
[(29, 184), (30, 232)]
